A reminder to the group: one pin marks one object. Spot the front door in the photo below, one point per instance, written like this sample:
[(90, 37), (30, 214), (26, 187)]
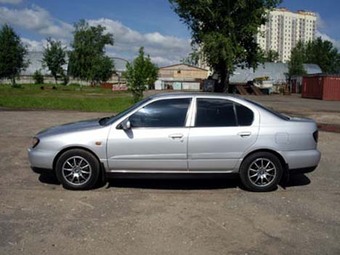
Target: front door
[(156, 141)]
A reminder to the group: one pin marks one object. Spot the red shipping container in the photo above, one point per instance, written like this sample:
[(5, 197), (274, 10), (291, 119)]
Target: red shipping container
[(325, 87)]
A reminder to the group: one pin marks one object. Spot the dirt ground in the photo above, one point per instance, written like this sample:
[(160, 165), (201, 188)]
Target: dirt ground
[(37, 216)]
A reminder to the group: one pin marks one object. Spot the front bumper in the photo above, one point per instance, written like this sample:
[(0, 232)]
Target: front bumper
[(41, 158)]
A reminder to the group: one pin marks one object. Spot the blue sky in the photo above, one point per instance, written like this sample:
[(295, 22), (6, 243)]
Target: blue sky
[(134, 23)]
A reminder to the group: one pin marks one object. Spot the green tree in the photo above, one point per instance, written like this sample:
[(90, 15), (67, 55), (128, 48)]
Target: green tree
[(38, 77), (297, 59), (12, 54), (87, 60), (102, 69), (271, 56), (193, 58), (225, 31), (319, 52), (54, 58), (323, 53), (139, 73)]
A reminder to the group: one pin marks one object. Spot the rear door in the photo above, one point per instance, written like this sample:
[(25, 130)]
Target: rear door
[(222, 131)]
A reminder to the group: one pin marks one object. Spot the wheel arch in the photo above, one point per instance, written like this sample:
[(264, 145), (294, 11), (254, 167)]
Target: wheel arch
[(76, 148), (283, 162), (281, 173)]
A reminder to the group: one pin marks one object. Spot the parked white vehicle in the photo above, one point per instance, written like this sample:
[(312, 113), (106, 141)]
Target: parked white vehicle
[(263, 84)]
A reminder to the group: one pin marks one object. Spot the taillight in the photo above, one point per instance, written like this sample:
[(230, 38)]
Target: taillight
[(316, 136)]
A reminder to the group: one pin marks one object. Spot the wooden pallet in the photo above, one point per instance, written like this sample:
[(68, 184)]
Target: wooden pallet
[(241, 90), (256, 90)]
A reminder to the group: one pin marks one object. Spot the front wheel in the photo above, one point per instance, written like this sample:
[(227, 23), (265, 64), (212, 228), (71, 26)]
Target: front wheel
[(261, 171), (77, 169)]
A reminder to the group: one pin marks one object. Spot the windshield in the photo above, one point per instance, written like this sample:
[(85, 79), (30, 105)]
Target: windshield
[(108, 120)]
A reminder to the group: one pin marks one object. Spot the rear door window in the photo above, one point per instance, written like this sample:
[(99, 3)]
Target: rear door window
[(245, 116), (214, 112)]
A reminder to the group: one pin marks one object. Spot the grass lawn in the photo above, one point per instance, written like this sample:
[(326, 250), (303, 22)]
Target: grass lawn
[(72, 97)]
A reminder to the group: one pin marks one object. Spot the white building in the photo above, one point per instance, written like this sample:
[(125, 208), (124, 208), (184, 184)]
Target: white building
[(284, 29)]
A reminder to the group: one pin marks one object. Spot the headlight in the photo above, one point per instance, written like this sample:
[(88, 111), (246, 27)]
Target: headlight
[(35, 142)]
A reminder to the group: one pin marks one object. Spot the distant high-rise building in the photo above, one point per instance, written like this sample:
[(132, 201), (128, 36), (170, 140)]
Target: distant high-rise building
[(284, 29)]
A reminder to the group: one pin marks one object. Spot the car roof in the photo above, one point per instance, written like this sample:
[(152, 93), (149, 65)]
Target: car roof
[(191, 94)]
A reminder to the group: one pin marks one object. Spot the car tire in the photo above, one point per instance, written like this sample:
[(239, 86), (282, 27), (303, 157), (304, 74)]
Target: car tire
[(261, 172), (77, 169)]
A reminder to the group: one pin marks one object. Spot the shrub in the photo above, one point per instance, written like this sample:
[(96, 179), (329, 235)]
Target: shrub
[(38, 77)]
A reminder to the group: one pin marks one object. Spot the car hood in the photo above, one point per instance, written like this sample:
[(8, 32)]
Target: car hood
[(71, 127)]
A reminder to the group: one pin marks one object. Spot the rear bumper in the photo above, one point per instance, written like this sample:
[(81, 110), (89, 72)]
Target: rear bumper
[(302, 170), (307, 160)]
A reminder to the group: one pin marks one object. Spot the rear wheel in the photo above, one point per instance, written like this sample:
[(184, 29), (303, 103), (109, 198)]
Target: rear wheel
[(77, 169), (261, 171)]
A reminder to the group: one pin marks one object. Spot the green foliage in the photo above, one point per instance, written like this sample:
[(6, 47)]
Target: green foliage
[(271, 56), (12, 54), (87, 60), (225, 30), (324, 54), (297, 59), (38, 77), (192, 58), (54, 58), (66, 79), (319, 52), (102, 69), (140, 73)]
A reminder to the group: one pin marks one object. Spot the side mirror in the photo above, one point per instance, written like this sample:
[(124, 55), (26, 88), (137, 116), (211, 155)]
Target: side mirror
[(126, 125)]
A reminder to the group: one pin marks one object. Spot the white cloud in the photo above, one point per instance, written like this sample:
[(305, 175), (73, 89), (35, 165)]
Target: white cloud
[(163, 61), (336, 43), (320, 23), (163, 50), (10, 1), (321, 26), (33, 45), (36, 19)]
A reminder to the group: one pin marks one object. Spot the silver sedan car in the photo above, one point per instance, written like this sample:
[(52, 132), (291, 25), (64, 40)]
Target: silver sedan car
[(181, 133)]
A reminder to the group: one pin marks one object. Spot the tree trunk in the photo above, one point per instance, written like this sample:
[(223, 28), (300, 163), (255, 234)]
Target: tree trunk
[(224, 80), (13, 81), (226, 83)]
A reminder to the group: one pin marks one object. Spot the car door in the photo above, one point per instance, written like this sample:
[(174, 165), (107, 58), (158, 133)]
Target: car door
[(222, 131), (156, 141)]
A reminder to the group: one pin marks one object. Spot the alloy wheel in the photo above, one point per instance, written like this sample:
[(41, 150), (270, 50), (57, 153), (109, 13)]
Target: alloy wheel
[(262, 172), (76, 170)]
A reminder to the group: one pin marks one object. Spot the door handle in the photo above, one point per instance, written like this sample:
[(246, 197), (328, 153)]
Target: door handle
[(244, 134), (176, 136)]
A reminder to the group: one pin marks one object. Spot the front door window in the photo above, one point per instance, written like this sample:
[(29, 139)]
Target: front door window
[(163, 113)]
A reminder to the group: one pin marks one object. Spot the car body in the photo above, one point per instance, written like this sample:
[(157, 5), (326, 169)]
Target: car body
[(181, 133)]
